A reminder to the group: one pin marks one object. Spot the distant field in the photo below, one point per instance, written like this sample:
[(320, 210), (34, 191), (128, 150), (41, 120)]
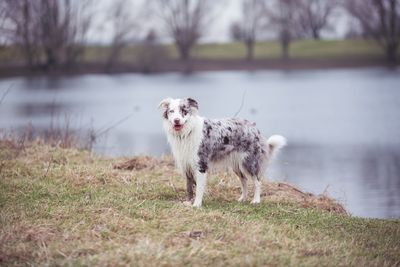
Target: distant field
[(299, 49), (307, 49)]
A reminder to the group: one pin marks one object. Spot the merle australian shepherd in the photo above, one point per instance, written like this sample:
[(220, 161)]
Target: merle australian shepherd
[(200, 144)]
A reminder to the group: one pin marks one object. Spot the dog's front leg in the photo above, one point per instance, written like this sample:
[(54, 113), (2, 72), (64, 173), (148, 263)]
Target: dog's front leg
[(200, 188), (190, 183)]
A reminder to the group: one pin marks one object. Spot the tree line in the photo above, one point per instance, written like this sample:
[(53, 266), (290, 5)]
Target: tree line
[(378, 20), (53, 33)]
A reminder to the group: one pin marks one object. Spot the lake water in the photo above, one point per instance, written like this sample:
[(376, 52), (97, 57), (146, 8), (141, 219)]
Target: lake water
[(343, 126)]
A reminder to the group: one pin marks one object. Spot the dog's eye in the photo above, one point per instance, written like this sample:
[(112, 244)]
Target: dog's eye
[(171, 111), (184, 111)]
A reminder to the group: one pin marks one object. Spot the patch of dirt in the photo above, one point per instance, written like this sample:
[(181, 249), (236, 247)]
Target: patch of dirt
[(283, 192), (197, 234), (144, 162)]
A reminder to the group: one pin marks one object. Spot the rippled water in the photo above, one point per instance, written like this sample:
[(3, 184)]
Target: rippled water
[(343, 126)]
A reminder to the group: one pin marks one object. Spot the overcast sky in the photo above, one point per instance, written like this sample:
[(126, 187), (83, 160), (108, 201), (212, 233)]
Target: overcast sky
[(218, 30)]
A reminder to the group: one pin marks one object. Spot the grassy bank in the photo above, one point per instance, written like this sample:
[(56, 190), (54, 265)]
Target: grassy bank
[(63, 206)]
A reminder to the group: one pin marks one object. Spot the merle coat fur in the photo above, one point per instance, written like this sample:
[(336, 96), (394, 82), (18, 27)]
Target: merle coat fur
[(199, 145)]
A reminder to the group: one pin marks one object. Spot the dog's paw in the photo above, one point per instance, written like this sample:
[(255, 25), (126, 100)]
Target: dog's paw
[(187, 203), (255, 201), (241, 199), (196, 205)]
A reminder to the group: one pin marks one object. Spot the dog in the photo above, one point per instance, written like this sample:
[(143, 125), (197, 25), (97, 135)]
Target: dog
[(199, 145)]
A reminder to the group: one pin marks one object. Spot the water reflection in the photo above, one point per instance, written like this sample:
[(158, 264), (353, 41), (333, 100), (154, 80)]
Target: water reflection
[(364, 178), (39, 109)]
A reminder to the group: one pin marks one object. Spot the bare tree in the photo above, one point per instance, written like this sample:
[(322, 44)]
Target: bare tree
[(55, 29), (124, 26), (3, 22), (150, 52), (20, 27), (380, 20), (247, 29), (236, 32), (354, 30), (63, 25), (185, 21), (313, 16), (81, 21), (282, 18)]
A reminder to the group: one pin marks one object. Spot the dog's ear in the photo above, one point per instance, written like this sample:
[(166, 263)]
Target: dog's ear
[(164, 106), (192, 103), (164, 103)]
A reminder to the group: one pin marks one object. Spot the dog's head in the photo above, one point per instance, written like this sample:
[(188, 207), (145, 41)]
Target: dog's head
[(178, 112)]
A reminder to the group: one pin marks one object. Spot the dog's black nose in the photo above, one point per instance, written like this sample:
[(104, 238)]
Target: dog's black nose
[(177, 121)]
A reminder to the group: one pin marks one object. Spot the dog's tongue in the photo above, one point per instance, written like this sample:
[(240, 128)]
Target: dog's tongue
[(177, 127)]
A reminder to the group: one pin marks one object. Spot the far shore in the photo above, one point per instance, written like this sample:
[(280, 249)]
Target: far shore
[(304, 55), (198, 65)]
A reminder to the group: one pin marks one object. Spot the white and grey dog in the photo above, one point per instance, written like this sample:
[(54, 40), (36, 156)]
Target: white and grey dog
[(199, 144)]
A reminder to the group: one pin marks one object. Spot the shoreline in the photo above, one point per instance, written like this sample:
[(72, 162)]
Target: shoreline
[(199, 65)]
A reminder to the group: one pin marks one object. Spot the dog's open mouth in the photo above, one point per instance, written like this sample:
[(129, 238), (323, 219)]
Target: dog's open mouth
[(178, 127)]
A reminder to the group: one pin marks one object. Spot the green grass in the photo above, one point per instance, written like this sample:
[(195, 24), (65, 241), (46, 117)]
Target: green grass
[(299, 49), (302, 49), (9, 55), (70, 207)]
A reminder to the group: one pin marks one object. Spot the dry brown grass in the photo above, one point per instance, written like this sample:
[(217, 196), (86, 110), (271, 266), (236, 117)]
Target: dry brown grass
[(63, 206), (274, 192)]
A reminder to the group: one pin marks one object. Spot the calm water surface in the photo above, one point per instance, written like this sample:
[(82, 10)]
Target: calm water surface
[(343, 126)]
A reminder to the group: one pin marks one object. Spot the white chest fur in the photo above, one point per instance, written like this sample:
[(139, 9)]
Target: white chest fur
[(185, 145)]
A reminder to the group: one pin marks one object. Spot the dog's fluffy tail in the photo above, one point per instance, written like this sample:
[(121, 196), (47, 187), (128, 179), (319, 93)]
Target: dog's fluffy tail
[(275, 143)]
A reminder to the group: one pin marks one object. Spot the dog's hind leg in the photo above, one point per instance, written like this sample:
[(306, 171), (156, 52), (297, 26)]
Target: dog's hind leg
[(243, 182), (252, 165), (257, 190)]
